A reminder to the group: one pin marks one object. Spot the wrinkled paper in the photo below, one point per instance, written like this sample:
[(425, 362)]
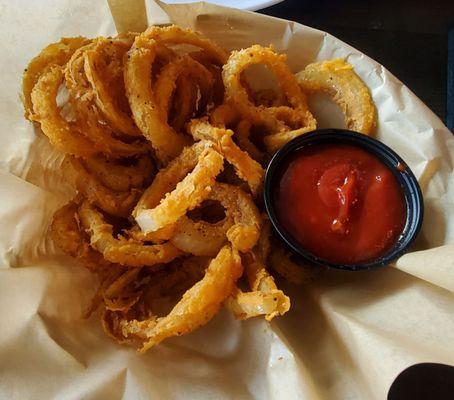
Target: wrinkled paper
[(347, 336)]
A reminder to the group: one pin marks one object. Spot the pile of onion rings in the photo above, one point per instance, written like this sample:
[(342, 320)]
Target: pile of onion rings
[(166, 143)]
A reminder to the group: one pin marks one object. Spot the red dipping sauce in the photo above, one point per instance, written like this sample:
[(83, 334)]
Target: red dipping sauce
[(340, 203)]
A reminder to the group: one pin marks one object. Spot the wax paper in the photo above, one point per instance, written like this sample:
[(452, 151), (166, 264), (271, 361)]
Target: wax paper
[(347, 336)]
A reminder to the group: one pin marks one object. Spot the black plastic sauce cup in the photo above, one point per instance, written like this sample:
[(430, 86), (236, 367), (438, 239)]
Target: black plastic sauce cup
[(412, 193)]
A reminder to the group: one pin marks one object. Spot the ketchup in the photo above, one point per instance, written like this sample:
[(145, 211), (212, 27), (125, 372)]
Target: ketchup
[(340, 203)]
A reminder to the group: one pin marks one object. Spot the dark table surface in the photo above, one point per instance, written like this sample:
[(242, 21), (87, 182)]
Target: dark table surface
[(408, 37)]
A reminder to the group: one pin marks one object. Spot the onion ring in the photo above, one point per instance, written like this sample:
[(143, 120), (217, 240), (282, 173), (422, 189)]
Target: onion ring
[(215, 67), (110, 201), (72, 240), (263, 248), (176, 35), (224, 116), (125, 252), (159, 236), (260, 115), (54, 54), (188, 193), (166, 179), (261, 282), (245, 305), (166, 142), (118, 289), (241, 225), (103, 65), (197, 306), (245, 167), (120, 178), (164, 182), (338, 79), (292, 118), (175, 278), (242, 134), (245, 231), (264, 298), (166, 81), (185, 102), (88, 116), (62, 135), (237, 94)]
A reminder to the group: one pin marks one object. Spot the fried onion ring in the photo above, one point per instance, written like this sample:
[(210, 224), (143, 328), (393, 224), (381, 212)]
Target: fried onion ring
[(63, 135), (224, 115), (103, 65), (176, 278), (264, 298), (110, 201), (164, 182), (200, 238), (166, 179), (245, 230), (215, 67), (241, 225), (125, 252), (88, 116), (246, 168), (68, 235), (293, 119), (197, 306), (166, 81), (237, 93), (119, 289), (166, 142), (159, 236), (118, 177), (338, 79), (274, 122), (269, 302), (245, 305), (184, 102), (242, 134), (54, 54), (188, 193)]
